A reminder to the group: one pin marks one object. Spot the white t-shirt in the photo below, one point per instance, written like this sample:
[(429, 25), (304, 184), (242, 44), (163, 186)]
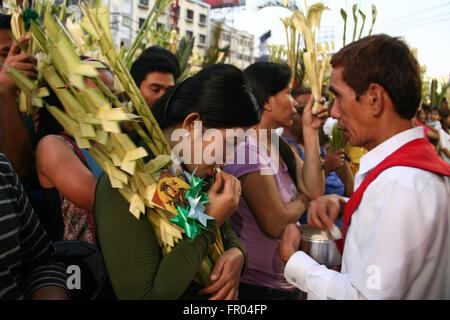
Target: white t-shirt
[(435, 124)]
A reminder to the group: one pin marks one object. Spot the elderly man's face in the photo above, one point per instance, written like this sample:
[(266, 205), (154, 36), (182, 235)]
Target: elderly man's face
[(352, 114)]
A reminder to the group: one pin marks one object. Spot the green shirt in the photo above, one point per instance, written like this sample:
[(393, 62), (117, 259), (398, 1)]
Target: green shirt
[(133, 257)]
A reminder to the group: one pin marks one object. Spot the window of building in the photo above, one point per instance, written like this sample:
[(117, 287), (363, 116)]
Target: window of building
[(141, 22), (175, 11), (189, 34), (202, 39), (189, 15), (143, 3), (202, 19)]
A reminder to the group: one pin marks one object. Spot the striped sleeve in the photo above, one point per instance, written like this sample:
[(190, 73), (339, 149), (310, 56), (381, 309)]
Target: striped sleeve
[(37, 255)]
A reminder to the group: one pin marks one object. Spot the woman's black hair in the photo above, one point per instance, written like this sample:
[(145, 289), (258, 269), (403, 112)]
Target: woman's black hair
[(219, 93), (267, 79)]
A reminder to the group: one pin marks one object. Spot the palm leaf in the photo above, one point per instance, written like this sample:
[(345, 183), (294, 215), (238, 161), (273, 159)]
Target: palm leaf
[(355, 20), (344, 17), (374, 18), (363, 16), (183, 53)]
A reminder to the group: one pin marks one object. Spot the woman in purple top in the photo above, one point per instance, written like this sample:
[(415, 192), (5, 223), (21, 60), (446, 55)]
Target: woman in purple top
[(276, 183)]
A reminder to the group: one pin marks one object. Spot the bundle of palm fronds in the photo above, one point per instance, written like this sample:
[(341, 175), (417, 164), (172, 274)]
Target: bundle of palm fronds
[(92, 115), (308, 25)]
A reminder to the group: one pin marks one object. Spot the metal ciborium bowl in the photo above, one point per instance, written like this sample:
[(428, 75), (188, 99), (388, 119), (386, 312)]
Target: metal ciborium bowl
[(320, 246)]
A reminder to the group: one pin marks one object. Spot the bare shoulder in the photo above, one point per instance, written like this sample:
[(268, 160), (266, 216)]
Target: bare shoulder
[(51, 148), (52, 143)]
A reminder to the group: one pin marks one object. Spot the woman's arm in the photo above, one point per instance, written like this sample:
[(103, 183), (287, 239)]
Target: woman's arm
[(58, 166), (133, 258), (310, 176), (346, 175), (17, 149), (263, 198)]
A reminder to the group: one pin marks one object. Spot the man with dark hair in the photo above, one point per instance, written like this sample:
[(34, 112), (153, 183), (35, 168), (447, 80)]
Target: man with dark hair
[(396, 241), (167, 53), (155, 71), (14, 137)]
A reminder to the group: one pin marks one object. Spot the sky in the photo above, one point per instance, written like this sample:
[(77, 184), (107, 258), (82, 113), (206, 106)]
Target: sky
[(424, 25)]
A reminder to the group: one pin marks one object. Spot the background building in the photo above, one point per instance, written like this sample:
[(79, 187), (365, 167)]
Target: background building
[(241, 50), (326, 34), (189, 17)]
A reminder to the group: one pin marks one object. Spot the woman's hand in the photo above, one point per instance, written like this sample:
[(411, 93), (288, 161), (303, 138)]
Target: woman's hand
[(290, 241), (25, 63), (334, 160), (223, 197), (226, 276), (314, 121)]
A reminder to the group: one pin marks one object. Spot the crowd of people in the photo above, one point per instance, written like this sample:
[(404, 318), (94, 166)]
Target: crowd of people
[(394, 211)]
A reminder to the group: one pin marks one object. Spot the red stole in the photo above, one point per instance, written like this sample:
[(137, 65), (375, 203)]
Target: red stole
[(418, 153)]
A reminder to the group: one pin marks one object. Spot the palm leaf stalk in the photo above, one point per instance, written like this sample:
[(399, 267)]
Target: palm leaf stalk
[(374, 18), (344, 17), (355, 21), (95, 24), (17, 32), (157, 9), (363, 17), (184, 52)]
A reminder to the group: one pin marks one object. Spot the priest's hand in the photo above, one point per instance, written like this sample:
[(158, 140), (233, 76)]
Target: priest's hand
[(324, 211), (290, 241)]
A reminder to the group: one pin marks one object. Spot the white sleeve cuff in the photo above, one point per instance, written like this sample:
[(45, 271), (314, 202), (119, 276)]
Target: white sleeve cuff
[(297, 268)]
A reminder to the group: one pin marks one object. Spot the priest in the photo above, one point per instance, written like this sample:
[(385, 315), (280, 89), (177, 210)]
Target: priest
[(396, 241)]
